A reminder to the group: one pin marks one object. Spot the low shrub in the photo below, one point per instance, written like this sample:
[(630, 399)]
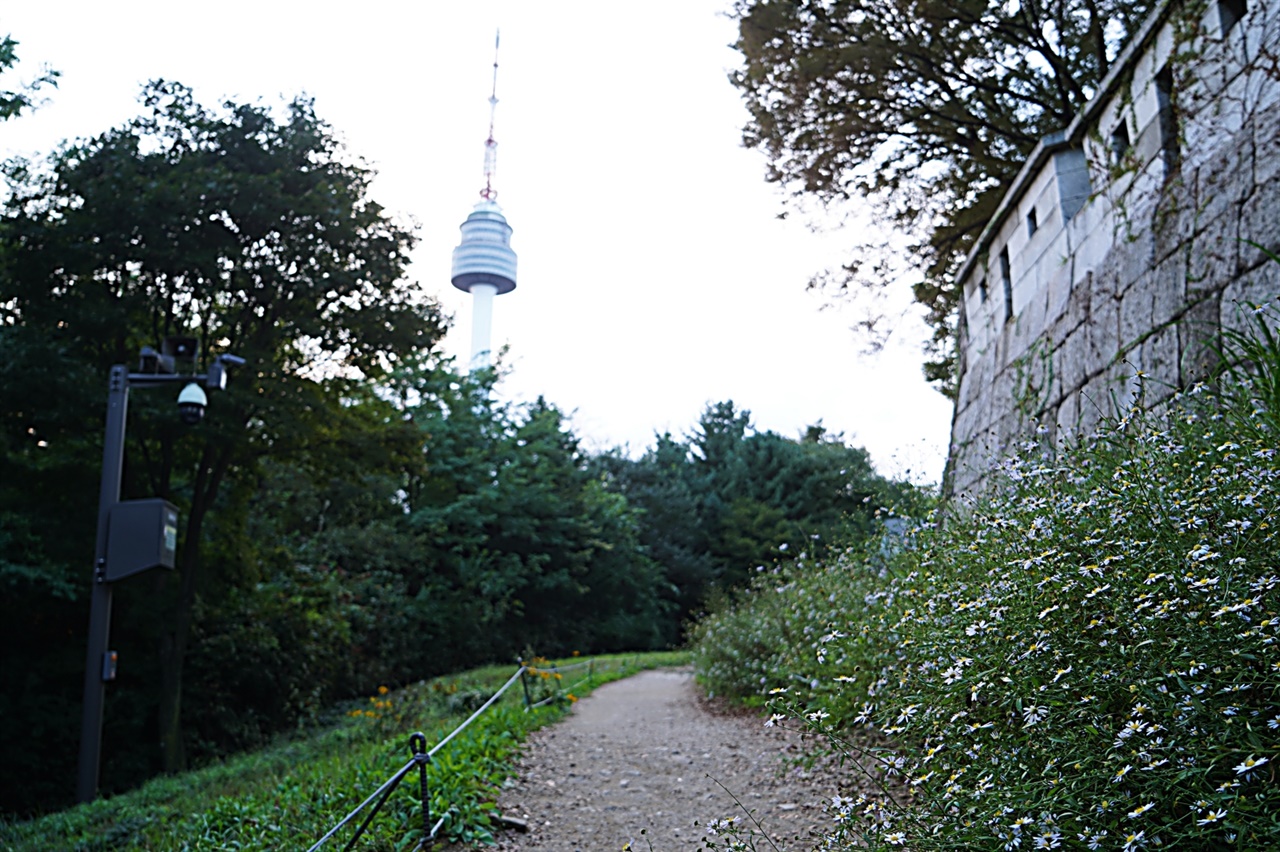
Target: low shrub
[(1086, 658)]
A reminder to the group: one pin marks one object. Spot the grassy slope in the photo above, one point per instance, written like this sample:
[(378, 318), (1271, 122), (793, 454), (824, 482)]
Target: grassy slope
[(292, 793)]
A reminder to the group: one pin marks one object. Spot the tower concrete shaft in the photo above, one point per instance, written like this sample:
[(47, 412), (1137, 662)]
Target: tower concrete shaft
[(484, 265)]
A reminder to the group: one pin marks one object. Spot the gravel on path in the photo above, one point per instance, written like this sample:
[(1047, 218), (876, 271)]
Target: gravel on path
[(647, 753)]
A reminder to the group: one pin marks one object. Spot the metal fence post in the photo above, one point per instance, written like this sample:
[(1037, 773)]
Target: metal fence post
[(524, 682), (418, 745)]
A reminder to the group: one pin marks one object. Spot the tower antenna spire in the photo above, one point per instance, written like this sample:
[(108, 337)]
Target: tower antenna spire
[(491, 144)]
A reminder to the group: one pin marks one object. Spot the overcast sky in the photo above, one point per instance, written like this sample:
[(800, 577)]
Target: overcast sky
[(654, 273)]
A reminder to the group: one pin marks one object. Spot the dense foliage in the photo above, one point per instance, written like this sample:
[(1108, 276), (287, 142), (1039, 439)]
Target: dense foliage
[(250, 234), (1084, 660), (728, 500), (927, 109)]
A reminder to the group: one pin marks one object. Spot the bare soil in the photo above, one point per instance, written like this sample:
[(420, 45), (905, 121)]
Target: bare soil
[(647, 760)]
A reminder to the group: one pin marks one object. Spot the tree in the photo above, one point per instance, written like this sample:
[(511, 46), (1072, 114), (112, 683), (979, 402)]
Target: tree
[(926, 108), (14, 101), (731, 498), (660, 486), (254, 235), (525, 548)]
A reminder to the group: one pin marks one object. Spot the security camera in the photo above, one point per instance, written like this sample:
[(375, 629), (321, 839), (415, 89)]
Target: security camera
[(216, 378), (191, 404)]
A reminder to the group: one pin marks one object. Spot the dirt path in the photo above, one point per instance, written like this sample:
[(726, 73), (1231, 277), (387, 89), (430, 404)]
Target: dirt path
[(642, 753)]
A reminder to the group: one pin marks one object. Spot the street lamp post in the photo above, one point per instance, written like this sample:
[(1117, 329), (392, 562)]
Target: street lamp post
[(111, 560)]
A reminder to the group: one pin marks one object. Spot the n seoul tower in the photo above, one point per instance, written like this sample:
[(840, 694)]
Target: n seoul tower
[(483, 263)]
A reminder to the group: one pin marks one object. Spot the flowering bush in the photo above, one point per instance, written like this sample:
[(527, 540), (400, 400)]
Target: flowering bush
[(1086, 659)]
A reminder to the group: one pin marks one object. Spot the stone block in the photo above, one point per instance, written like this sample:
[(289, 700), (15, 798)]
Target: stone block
[(1134, 313), (1104, 336), (966, 477), (1201, 103), (1002, 391), (1147, 145), (1244, 70), (963, 426), (1198, 339), (1074, 186), (1174, 219), (1144, 193), (1225, 179), (973, 380), (1168, 292), (1210, 129), (1034, 385), (1058, 331), (1094, 405), (1081, 294), (1135, 256), (1058, 291), (1092, 215), (1093, 245), (979, 334), (1068, 417), (1057, 245), (1266, 146), (1072, 360), (1020, 338), (1260, 225), (1158, 358), (1106, 287), (1213, 258)]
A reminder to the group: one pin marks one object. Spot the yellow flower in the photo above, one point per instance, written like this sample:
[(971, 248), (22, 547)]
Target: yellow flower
[(382, 690)]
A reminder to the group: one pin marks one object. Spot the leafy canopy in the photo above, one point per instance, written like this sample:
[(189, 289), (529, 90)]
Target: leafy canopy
[(729, 499), (14, 101), (249, 230)]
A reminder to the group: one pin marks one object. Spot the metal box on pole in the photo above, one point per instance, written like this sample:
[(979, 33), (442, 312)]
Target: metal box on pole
[(143, 534)]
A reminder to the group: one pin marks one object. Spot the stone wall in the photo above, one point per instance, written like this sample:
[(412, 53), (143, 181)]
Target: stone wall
[(1123, 246)]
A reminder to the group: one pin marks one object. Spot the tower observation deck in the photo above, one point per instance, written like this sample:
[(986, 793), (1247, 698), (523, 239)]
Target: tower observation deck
[(484, 263)]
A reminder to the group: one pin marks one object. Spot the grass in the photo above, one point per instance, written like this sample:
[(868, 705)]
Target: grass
[(289, 795)]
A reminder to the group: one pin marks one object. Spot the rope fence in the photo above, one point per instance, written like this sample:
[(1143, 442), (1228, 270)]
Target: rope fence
[(421, 756)]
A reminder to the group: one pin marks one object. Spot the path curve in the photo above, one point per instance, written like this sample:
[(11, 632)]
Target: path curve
[(642, 753)]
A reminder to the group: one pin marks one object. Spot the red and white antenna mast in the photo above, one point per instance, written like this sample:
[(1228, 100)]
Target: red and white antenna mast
[(491, 144)]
